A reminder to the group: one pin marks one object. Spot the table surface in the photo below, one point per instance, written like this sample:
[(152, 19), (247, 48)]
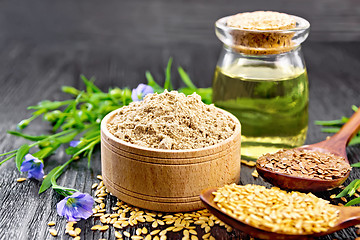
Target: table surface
[(32, 72)]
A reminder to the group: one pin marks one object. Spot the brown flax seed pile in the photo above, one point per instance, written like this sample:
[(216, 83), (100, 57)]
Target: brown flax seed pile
[(305, 163)]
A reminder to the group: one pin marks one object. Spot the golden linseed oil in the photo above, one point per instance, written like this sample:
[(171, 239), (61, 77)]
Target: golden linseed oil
[(272, 108)]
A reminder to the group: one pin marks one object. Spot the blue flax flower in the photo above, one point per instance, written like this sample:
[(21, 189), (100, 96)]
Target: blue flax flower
[(75, 207), (74, 143), (33, 166), (140, 92)]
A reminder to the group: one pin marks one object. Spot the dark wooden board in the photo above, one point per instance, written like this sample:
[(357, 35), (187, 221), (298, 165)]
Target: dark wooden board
[(46, 45)]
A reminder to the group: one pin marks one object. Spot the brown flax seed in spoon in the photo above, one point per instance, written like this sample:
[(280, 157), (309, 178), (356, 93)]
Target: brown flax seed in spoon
[(306, 164), (328, 173)]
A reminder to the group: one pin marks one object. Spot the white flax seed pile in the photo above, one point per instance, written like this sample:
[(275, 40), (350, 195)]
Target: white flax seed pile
[(171, 120), (129, 222), (276, 210)]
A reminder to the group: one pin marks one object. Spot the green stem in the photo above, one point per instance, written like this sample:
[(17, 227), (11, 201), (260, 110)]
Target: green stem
[(62, 190), (8, 158), (7, 153)]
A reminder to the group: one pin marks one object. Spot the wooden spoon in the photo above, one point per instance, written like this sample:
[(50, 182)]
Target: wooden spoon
[(348, 216), (335, 145)]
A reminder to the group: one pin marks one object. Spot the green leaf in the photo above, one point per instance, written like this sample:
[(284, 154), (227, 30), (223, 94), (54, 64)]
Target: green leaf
[(28, 137), (344, 192), (89, 156), (70, 90), (61, 120), (205, 93), (50, 105), (330, 123), (354, 188), (52, 116), (354, 108), (90, 86), (186, 79), (47, 180), (45, 152), (126, 96), (167, 84), (67, 138), (151, 82), (356, 164), (330, 130), (23, 150), (73, 150), (355, 140), (353, 202)]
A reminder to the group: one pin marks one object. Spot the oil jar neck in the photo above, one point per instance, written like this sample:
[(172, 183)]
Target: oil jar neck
[(237, 63), (262, 42)]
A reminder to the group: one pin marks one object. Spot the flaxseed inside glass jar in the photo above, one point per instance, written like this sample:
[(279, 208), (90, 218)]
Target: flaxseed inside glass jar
[(261, 78)]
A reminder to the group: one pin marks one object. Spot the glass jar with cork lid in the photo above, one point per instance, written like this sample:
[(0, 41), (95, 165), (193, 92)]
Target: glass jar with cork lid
[(261, 78)]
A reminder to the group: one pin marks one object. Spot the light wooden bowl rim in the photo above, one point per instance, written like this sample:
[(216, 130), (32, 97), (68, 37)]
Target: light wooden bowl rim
[(170, 153)]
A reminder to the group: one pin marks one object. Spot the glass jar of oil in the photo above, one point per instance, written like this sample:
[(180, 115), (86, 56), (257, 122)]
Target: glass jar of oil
[(264, 85)]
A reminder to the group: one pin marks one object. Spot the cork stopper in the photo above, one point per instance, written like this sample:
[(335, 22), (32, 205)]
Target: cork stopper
[(262, 32), (262, 20)]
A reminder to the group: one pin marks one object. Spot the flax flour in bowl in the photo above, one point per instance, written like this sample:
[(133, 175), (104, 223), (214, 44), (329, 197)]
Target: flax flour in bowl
[(173, 121), (161, 152)]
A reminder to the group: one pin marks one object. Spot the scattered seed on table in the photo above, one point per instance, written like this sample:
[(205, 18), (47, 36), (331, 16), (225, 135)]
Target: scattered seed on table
[(19, 180), (123, 215), (77, 231), (207, 235), (154, 224), (248, 163), (255, 174), (333, 196), (192, 231), (51, 223), (138, 231), (154, 232), (343, 199), (104, 228), (136, 237), (163, 232), (118, 234), (178, 229), (99, 177), (98, 214), (72, 233), (95, 227), (126, 234), (53, 232)]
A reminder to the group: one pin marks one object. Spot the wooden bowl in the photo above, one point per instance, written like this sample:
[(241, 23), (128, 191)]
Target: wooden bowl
[(167, 180)]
